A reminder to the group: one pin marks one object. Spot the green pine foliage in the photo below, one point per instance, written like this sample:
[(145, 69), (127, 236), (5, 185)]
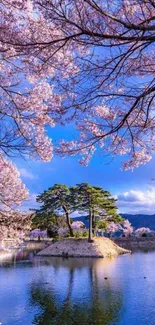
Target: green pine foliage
[(94, 201)]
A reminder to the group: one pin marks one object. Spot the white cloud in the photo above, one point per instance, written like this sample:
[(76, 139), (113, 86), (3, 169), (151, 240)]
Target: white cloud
[(136, 201), (26, 174), (76, 214)]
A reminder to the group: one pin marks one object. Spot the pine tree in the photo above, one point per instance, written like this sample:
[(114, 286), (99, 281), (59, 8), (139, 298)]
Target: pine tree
[(56, 199), (95, 201)]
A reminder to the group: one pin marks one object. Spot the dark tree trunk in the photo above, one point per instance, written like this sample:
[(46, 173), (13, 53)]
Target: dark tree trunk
[(93, 222), (68, 221), (90, 237)]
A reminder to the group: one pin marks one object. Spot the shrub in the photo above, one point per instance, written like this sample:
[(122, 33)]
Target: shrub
[(85, 233)]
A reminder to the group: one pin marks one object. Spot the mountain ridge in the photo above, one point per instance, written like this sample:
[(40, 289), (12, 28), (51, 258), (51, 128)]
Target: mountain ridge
[(137, 220)]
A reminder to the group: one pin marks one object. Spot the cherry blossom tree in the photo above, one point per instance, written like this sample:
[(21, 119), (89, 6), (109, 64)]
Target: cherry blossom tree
[(24, 112), (24, 108), (38, 234), (12, 192), (77, 225), (127, 228), (14, 224), (142, 231), (94, 64), (112, 228), (79, 228), (89, 63), (81, 57)]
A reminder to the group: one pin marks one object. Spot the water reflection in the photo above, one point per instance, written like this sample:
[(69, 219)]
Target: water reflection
[(93, 304), (7, 258), (56, 291)]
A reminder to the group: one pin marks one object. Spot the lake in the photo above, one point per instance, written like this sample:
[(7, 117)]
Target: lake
[(57, 291)]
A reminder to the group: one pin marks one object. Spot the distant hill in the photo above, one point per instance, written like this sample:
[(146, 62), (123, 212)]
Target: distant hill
[(141, 220), (137, 220)]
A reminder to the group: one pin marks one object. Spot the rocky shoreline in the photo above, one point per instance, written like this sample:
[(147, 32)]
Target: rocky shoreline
[(100, 247), (131, 244)]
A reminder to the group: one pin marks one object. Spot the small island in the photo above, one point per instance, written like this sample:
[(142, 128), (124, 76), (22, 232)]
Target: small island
[(52, 229), (73, 238), (99, 247)]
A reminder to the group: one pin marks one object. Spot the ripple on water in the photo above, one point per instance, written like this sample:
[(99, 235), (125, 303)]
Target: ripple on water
[(44, 291)]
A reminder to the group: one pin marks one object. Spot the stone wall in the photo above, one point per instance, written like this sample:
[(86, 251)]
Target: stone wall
[(135, 243), (29, 244), (34, 244)]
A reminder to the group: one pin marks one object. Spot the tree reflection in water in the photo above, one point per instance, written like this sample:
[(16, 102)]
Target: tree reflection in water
[(102, 308)]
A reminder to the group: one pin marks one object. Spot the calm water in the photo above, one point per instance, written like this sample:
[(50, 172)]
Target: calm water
[(55, 291)]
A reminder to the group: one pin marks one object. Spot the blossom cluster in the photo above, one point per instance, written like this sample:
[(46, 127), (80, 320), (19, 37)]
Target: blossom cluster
[(77, 225), (65, 80), (63, 231), (127, 228), (37, 233), (14, 223), (113, 227), (141, 231), (12, 190), (51, 72)]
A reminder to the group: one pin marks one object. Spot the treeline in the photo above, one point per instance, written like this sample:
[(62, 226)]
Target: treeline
[(97, 203)]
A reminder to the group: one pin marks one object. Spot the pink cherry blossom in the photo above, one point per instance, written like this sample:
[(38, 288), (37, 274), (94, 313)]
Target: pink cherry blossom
[(77, 225), (14, 224), (37, 233), (63, 231), (88, 63), (141, 231), (127, 228), (87, 71), (12, 190), (34, 234), (113, 227)]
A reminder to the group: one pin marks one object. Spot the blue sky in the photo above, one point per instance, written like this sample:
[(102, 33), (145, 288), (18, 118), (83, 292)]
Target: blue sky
[(135, 190)]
